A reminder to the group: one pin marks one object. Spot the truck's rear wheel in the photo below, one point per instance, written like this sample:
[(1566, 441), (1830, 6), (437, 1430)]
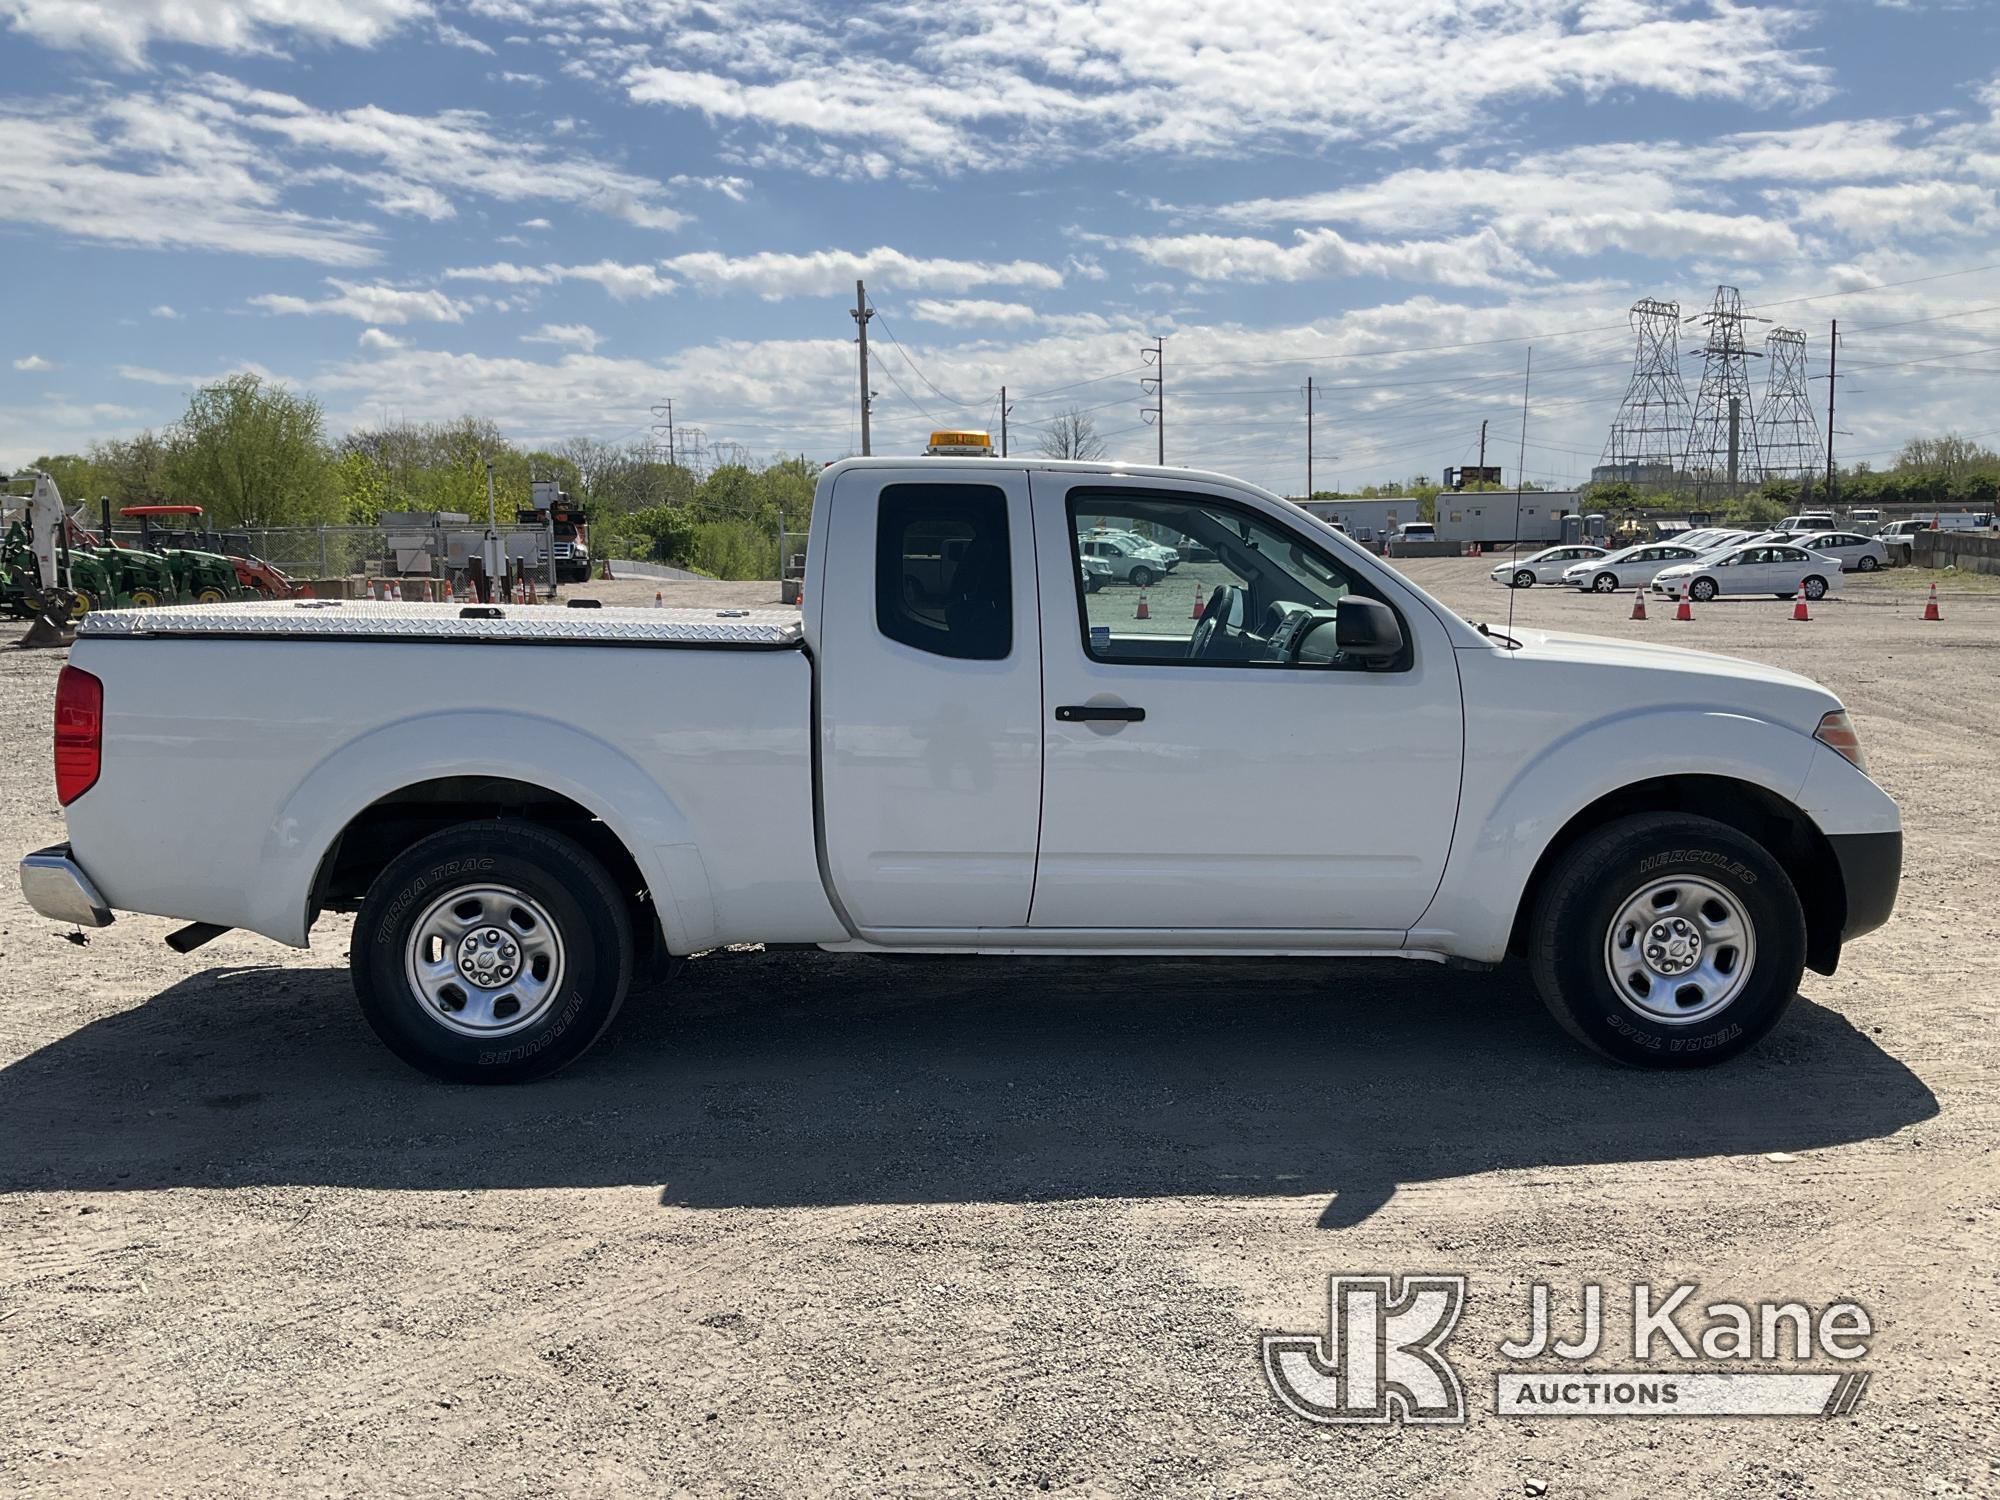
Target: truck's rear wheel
[(1667, 940), (492, 952)]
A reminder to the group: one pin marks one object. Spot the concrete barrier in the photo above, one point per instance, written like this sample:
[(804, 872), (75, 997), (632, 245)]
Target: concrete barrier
[(1968, 551), (1438, 548)]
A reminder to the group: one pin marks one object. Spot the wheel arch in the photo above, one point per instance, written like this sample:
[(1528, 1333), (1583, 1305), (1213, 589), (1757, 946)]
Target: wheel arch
[(382, 830), (1780, 826), (410, 778)]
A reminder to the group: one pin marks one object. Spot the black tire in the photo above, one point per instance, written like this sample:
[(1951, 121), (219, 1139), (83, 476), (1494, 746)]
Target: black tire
[(1866, 564), (1143, 576), (1571, 932), (1524, 579), (1815, 587), (1604, 583), (1702, 590), (1092, 583), (586, 911)]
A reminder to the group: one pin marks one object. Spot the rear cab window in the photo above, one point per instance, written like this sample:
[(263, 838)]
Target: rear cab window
[(944, 571)]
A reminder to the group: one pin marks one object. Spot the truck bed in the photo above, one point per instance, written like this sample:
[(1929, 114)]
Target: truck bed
[(471, 624)]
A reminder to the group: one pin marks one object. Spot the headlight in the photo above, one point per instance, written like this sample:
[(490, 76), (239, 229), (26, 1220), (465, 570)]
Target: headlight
[(1836, 732)]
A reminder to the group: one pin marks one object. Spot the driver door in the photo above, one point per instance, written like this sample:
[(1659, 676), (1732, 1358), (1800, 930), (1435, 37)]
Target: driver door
[(1226, 790)]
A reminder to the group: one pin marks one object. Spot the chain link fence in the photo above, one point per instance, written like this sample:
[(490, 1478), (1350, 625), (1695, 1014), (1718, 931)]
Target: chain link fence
[(417, 549)]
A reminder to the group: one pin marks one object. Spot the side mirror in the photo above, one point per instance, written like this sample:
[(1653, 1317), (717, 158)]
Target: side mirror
[(1367, 630)]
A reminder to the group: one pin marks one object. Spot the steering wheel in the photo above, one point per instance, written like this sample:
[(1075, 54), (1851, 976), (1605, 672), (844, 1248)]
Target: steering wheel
[(1214, 624)]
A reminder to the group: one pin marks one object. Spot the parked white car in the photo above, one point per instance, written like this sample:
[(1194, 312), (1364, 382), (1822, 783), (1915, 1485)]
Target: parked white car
[(1628, 568), (1093, 573), (1546, 566), (1709, 538), (1129, 557), (1855, 553), (941, 753), (1775, 568)]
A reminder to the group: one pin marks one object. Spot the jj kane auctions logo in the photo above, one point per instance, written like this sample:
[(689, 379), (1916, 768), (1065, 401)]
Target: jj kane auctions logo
[(1382, 1356)]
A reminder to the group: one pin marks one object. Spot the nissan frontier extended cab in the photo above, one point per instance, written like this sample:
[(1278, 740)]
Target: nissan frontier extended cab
[(956, 748)]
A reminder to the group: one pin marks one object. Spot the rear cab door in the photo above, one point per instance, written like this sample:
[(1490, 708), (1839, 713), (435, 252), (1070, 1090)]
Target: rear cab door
[(929, 704)]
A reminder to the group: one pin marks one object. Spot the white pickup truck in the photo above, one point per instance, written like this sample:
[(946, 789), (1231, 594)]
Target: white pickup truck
[(956, 749)]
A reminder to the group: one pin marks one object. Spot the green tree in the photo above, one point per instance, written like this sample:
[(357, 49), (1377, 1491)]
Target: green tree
[(252, 454)]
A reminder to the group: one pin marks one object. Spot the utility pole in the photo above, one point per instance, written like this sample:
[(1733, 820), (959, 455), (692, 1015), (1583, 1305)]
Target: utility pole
[(861, 314), (1155, 385), (1832, 381), (1482, 449), (1004, 409), (1309, 437)]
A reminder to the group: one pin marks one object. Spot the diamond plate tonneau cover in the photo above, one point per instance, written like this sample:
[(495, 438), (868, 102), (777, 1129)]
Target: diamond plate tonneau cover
[(517, 624)]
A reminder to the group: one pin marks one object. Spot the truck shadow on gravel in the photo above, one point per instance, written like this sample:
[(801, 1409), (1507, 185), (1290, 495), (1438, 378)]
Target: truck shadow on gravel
[(794, 1079)]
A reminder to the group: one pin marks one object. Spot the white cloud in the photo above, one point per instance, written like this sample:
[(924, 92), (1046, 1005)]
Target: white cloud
[(959, 311), (172, 181), (451, 36), (772, 274), (164, 311), (990, 83), (32, 362), (534, 223), (1481, 259), (621, 281), (214, 165), (373, 302), (569, 335), (375, 338), (126, 28)]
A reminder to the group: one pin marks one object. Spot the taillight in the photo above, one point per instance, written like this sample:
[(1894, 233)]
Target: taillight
[(79, 733), (1836, 732)]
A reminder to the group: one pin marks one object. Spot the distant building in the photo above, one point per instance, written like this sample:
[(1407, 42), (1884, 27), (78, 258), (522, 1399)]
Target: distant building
[(1365, 520), (1505, 516)]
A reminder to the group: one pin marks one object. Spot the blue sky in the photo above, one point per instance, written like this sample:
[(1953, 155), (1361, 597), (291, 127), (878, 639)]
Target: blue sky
[(558, 213)]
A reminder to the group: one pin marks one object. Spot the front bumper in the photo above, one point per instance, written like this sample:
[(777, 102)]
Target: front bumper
[(56, 886), (1871, 869)]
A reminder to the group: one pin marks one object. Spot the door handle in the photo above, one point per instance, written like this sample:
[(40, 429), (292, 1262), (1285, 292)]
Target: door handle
[(1086, 713)]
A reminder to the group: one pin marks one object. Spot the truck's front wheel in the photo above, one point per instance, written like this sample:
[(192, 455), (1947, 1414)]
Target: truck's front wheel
[(492, 952), (1667, 940)]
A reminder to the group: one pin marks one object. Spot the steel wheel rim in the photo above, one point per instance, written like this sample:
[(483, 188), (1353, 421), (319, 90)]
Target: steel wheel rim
[(484, 960), (1680, 950)]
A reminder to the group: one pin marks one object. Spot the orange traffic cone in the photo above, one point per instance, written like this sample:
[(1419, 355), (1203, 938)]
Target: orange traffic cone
[(1930, 606), (1686, 610), (606, 574), (1196, 614), (1142, 613), (1638, 604), (1799, 610), (658, 602), (447, 591)]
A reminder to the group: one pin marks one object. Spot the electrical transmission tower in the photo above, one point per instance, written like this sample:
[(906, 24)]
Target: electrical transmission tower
[(1649, 436), (1722, 450), (1787, 431)]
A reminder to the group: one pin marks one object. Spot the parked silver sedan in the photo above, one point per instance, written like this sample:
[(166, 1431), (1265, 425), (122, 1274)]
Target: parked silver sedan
[(1546, 566), (1781, 571), (1627, 568), (1856, 553)]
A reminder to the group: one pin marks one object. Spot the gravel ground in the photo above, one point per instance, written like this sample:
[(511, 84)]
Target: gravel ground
[(836, 1226)]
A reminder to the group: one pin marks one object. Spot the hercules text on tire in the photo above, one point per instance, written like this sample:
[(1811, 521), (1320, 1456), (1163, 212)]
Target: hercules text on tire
[(1667, 940), (492, 952)]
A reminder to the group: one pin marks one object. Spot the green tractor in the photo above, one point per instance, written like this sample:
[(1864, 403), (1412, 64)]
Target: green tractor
[(20, 579), (196, 577), (134, 579)]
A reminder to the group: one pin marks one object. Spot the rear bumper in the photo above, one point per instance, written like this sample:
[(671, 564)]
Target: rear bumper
[(1871, 869), (56, 886)]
